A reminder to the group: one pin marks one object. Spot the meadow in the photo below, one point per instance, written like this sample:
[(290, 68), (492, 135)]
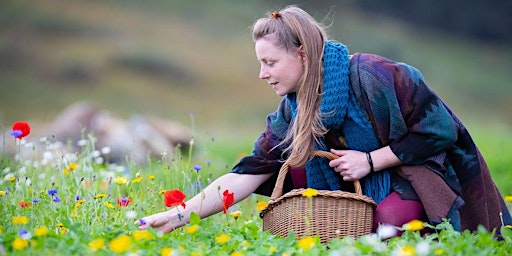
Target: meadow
[(77, 203)]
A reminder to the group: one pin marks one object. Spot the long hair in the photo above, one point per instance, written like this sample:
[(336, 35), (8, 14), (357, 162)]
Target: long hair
[(291, 28)]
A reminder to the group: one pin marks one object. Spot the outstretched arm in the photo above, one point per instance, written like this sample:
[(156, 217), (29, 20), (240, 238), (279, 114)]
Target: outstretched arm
[(206, 203)]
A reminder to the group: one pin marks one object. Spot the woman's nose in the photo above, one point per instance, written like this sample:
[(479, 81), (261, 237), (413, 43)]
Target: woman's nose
[(264, 74)]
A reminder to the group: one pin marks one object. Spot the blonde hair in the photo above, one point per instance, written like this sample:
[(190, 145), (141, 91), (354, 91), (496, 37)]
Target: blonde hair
[(291, 28)]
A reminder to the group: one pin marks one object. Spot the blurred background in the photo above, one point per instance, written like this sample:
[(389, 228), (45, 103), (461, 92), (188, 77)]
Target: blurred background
[(183, 60)]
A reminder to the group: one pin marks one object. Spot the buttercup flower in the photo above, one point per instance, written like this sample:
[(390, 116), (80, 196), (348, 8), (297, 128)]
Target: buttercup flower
[(120, 244), (97, 244), (100, 196), (236, 214), (310, 192), (307, 242), (174, 198), (20, 220), (414, 225), (261, 205), (192, 229), (41, 231), (20, 130), (19, 243), (109, 205), (137, 180), (142, 235), (227, 200), (222, 239)]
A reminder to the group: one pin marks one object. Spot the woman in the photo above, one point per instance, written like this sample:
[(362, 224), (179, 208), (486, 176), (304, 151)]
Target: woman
[(391, 131)]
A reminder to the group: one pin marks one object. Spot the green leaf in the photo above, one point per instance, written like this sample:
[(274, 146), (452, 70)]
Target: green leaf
[(194, 218)]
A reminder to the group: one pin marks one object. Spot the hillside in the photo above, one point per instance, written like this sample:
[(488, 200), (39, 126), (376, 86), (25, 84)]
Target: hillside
[(174, 59)]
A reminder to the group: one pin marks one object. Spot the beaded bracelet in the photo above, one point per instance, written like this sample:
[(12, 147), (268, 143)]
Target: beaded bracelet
[(370, 161)]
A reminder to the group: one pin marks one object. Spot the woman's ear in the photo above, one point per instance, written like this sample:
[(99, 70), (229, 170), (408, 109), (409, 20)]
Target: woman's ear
[(302, 54)]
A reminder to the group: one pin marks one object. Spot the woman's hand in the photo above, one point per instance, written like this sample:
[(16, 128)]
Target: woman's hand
[(161, 221), (351, 164)]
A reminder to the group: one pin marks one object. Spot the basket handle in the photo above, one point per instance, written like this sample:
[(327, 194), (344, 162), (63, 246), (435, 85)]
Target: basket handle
[(278, 189)]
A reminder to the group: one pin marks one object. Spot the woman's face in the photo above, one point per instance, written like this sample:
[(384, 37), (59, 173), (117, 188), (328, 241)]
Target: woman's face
[(281, 69)]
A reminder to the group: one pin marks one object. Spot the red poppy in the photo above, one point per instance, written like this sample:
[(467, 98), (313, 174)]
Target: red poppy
[(227, 200), (20, 130), (24, 204), (174, 198), (123, 201)]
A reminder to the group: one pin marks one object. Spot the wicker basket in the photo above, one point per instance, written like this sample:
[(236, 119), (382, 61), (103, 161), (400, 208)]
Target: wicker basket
[(330, 214)]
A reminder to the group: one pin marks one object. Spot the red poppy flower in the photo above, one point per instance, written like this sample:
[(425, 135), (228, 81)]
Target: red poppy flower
[(24, 204), (20, 130), (123, 201), (227, 200), (174, 198)]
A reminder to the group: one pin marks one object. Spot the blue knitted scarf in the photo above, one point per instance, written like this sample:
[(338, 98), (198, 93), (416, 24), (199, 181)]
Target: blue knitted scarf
[(340, 110)]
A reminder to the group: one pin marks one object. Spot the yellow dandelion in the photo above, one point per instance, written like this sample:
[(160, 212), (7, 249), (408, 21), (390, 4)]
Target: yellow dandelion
[(137, 180), (109, 205), (222, 239), (19, 244), (166, 251), (414, 225), (272, 249), (508, 199), (407, 250), (75, 216), (66, 171), (261, 205), (3, 192), (20, 220), (142, 235), (100, 195), (161, 191), (236, 254), (121, 180), (192, 229), (41, 231), (236, 214), (13, 178), (307, 242), (310, 192), (97, 244), (60, 225), (120, 244), (151, 177)]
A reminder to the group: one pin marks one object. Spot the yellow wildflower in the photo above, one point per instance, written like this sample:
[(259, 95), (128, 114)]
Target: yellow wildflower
[(72, 166), (261, 205), (60, 225), (13, 178), (41, 231), (439, 252), (509, 226), (3, 192), (310, 192), (161, 191), (121, 180), (192, 229), (195, 254), (236, 214), (137, 180), (166, 251), (120, 244), (307, 242), (142, 235), (20, 220), (236, 254), (19, 243), (408, 250), (151, 177), (414, 225), (272, 249), (508, 199), (66, 171), (109, 205), (100, 195), (222, 239), (75, 216), (97, 244)]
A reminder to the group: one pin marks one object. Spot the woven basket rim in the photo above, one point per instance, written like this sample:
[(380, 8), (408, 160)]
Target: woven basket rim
[(335, 194)]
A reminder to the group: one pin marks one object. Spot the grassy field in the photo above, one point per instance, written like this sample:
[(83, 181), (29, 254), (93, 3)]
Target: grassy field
[(170, 58)]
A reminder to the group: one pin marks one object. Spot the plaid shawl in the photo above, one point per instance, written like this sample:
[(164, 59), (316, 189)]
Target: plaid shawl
[(441, 161)]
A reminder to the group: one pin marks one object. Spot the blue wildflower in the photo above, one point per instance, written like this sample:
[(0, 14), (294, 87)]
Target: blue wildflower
[(36, 200), (142, 222), (56, 199), (197, 168), (16, 133), (52, 192)]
